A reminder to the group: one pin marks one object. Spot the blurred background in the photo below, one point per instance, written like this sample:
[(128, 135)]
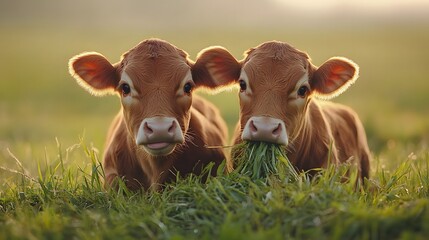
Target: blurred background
[(41, 104)]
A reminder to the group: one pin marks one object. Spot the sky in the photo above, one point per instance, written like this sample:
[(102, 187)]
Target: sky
[(219, 13), (380, 6)]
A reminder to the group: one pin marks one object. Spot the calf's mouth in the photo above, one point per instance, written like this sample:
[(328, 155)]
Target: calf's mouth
[(159, 148)]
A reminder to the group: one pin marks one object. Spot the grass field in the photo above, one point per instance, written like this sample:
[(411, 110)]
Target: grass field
[(65, 201), (57, 131)]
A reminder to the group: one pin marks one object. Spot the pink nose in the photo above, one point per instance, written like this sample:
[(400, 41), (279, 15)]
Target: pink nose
[(159, 129), (265, 129)]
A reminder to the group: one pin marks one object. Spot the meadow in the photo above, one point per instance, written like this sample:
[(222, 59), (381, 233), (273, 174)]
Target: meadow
[(52, 136)]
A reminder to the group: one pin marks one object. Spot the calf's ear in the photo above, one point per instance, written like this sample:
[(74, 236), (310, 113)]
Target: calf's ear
[(94, 73), (215, 67), (333, 77)]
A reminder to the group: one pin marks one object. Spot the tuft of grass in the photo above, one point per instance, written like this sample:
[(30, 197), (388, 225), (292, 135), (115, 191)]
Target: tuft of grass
[(260, 160)]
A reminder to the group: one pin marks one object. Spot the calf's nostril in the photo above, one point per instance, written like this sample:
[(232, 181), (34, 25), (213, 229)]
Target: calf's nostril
[(277, 131), (147, 128), (172, 128), (252, 126)]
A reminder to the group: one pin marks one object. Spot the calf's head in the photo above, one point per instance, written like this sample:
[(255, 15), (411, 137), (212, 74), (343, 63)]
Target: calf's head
[(155, 82), (276, 84)]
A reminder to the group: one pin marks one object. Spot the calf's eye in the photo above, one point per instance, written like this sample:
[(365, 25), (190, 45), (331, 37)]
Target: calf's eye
[(302, 91), (188, 88), (126, 89), (243, 85)]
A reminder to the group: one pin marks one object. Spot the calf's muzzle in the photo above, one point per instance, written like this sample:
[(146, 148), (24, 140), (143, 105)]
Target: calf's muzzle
[(159, 135), (265, 129)]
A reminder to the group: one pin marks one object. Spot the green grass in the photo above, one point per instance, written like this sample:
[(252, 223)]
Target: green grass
[(68, 201), (260, 160)]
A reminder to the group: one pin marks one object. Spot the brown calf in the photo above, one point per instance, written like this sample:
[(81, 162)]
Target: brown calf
[(161, 129), (279, 87)]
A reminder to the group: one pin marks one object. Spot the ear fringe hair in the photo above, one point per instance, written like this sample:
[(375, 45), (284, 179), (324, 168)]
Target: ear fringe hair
[(343, 88), (83, 83)]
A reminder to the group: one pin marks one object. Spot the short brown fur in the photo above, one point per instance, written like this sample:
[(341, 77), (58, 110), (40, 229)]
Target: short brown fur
[(315, 128), (156, 69)]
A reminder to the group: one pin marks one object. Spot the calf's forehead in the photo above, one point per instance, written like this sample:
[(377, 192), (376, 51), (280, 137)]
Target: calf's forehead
[(276, 60), (275, 68), (154, 63), (160, 70)]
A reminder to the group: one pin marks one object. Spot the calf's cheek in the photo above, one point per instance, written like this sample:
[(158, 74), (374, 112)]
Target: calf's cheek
[(132, 121)]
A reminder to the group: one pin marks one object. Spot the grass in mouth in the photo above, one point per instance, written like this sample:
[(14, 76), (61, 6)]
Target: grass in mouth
[(260, 160)]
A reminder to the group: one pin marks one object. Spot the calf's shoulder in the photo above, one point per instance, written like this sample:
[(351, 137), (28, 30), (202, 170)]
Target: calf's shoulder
[(206, 120), (348, 134), (346, 128), (120, 159)]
